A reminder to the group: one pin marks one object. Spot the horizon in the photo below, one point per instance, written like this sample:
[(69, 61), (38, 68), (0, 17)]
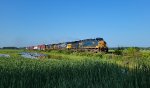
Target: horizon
[(119, 23)]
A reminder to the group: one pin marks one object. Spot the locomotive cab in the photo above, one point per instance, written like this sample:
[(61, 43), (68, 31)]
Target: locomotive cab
[(69, 46), (102, 46)]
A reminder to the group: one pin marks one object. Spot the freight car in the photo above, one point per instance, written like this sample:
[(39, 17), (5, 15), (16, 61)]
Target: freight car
[(56, 46), (41, 47)]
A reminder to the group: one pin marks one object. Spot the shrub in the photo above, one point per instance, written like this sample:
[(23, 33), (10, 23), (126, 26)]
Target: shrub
[(132, 52), (119, 51)]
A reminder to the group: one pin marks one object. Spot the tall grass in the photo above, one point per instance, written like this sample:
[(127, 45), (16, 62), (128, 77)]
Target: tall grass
[(64, 69), (86, 73)]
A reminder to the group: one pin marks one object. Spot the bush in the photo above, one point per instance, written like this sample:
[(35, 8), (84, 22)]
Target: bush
[(119, 51), (132, 52)]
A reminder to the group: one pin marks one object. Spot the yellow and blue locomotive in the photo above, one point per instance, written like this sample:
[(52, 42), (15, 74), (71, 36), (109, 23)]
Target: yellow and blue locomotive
[(97, 44)]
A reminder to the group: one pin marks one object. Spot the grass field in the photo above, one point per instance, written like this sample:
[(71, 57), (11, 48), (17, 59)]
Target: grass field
[(63, 69)]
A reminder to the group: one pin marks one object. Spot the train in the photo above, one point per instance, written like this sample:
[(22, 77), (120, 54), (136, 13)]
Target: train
[(94, 45)]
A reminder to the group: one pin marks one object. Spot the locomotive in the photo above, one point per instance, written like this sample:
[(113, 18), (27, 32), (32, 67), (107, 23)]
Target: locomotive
[(95, 45)]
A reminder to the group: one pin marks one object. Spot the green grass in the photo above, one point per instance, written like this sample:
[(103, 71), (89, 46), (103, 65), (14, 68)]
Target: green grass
[(74, 70), (12, 53)]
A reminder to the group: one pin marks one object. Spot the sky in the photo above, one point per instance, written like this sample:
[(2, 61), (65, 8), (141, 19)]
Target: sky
[(32, 22)]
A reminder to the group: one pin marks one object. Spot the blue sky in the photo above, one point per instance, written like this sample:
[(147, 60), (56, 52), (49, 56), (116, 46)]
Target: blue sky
[(32, 22)]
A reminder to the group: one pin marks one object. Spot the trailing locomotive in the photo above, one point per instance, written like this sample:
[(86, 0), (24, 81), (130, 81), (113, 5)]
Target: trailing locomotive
[(97, 45)]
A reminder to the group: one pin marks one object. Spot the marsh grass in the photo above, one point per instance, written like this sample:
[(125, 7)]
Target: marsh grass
[(74, 71)]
